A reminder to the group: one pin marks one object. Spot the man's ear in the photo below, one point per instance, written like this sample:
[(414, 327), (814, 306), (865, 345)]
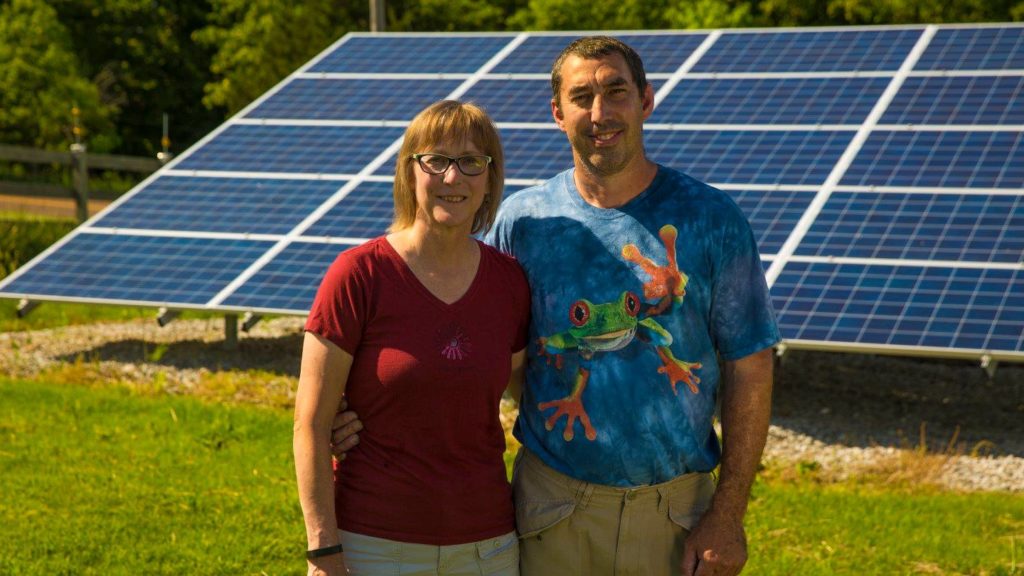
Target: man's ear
[(648, 101), (556, 113)]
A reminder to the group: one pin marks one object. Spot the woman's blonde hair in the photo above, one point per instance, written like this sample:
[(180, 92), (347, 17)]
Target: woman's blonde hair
[(448, 121)]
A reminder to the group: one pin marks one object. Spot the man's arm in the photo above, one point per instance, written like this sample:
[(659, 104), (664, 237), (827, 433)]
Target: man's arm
[(718, 545), (344, 431)]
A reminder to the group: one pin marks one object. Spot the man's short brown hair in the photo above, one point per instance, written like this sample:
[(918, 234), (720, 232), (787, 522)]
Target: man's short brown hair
[(592, 47)]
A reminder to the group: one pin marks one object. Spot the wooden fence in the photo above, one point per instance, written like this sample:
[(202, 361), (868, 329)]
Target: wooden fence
[(80, 162)]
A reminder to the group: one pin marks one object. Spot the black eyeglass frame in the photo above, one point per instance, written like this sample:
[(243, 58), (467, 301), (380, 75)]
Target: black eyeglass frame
[(457, 160)]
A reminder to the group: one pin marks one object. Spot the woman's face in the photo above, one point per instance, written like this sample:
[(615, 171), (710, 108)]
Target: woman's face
[(450, 199)]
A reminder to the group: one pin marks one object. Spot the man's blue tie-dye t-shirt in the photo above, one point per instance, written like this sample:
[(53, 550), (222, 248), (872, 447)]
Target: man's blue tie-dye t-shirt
[(632, 307)]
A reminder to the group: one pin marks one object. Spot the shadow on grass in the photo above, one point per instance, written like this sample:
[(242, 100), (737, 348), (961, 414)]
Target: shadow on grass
[(871, 400), (280, 355), (850, 399)]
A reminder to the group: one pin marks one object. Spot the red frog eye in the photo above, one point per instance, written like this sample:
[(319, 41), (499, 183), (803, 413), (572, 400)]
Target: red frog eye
[(632, 304), (579, 313)]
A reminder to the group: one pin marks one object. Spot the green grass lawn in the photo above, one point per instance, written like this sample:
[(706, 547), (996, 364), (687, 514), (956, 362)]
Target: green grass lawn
[(97, 481), (805, 528), (56, 314), (100, 481)]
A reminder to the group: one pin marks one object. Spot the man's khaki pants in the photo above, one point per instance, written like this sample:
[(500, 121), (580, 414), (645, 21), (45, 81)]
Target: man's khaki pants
[(569, 527)]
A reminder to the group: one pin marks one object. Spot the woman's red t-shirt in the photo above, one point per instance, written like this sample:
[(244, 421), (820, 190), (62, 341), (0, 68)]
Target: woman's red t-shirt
[(426, 381)]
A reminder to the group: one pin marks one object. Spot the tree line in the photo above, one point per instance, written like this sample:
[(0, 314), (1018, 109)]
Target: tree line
[(124, 63)]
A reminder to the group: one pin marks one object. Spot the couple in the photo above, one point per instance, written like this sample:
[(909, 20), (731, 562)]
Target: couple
[(639, 305)]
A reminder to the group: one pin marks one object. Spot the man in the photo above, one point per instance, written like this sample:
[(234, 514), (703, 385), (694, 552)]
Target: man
[(642, 280)]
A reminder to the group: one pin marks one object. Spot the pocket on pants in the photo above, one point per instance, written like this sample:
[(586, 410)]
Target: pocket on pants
[(540, 503), (688, 503), (533, 518), (499, 556)]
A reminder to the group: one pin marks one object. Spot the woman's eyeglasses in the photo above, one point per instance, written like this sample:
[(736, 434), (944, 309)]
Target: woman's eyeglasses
[(471, 165)]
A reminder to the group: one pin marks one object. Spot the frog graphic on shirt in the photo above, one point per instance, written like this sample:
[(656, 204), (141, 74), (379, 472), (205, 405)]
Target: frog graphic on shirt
[(611, 326)]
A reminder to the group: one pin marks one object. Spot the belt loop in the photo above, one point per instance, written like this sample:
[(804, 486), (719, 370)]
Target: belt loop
[(583, 492), (588, 491), (662, 502)]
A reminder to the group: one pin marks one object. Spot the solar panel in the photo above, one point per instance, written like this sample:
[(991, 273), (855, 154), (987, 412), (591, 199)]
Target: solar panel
[(882, 169), (771, 101)]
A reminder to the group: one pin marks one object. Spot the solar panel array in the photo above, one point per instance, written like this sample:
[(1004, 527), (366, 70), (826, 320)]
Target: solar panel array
[(882, 169)]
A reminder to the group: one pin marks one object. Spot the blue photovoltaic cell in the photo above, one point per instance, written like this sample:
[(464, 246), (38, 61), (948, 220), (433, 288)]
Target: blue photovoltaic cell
[(519, 100), (290, 280), (302, 149), (513, 100), (240, 205), (365, 212), (902, 305), (535, 153), (940, 159), (810, 51), (975, 49), (661, 53), (749, 157), (155, 270), (772, 214), (770, 101), (353, 99), (412, 54), (958, 100), (955, 227)]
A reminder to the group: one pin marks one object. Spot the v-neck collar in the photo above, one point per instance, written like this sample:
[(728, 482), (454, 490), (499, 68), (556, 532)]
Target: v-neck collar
[(412, 280)]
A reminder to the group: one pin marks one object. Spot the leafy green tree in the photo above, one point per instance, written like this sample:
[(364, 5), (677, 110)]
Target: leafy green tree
[(42, 82), (259, 42), (590, 15), (918, 11), (140, 55), (795, 13), (708, 14), (446, 16)]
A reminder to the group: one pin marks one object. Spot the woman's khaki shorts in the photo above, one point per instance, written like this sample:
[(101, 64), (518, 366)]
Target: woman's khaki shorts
[(570, 527), (367, 555)]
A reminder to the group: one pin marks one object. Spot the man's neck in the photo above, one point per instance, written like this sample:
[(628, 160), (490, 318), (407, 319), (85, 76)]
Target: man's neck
[(612, 191)]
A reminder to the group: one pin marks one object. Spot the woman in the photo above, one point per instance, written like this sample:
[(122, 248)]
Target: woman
[(421, 330)]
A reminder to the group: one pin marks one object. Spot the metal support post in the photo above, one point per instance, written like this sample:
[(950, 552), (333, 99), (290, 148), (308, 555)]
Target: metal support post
[(165, 316), (989, 366), (25, 306), (250, 320), (231, 331)]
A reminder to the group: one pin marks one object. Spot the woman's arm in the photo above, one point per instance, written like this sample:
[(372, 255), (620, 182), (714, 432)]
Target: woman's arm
[(322, 379)]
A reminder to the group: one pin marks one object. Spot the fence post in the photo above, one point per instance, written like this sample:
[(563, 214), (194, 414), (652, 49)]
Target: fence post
[(80, 177)]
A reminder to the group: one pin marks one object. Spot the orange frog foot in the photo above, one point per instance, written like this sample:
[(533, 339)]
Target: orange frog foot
[(572, 407), (678, 370), (666, 282)]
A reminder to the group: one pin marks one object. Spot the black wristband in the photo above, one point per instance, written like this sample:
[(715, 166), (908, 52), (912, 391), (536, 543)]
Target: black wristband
[(326, 551)]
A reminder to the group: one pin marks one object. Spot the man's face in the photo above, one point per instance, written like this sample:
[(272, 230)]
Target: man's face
[(602, 111)]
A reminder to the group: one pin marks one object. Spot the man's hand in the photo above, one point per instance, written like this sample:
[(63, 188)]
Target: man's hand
[(717, 546), (344, 431)]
